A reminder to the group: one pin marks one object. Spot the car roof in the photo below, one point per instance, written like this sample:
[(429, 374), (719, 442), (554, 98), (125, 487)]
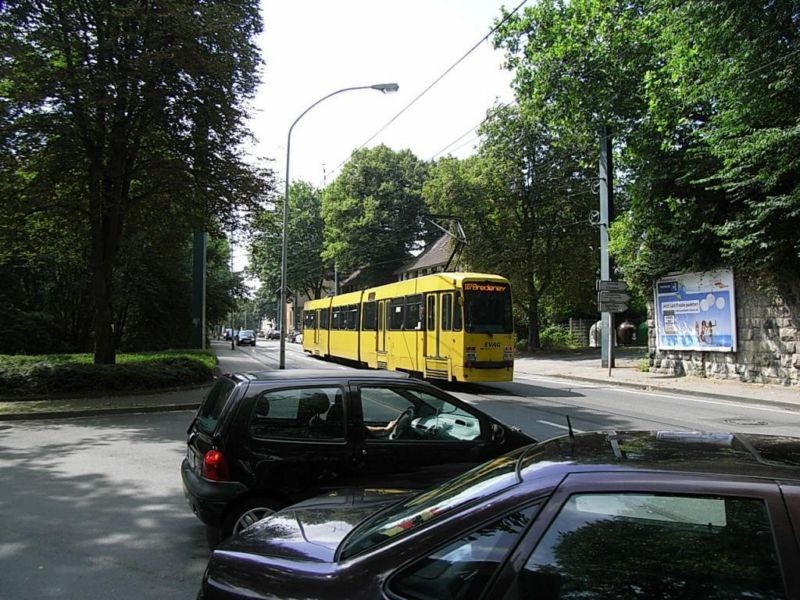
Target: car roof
[(311, 374), (724, 453)]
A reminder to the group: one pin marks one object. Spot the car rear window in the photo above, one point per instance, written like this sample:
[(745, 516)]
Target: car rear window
[(486, 479), (214, 403)]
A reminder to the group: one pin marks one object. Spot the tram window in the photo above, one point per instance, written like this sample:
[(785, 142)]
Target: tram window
[(324, 318), (431, 312), (396, 307), (336, 319), (310, 320), (370, 319), (457, 312), (413, 318), (351, 317), (447, 311)]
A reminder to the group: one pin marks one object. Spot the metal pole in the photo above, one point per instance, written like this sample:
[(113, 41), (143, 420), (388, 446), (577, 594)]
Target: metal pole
[(382, 87), (606, 216)]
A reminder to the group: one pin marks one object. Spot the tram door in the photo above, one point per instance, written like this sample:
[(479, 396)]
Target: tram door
[(431, 325), (381, 337), (316, 329)]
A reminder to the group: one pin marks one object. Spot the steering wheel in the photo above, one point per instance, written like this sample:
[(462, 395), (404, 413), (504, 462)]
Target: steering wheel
[(402, 424)]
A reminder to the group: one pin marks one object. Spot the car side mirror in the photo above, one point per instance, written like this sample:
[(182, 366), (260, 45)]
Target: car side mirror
[(498, 433)]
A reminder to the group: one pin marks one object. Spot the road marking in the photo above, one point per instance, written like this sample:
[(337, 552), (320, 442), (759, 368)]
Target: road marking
[(572, 384), (560, 426)]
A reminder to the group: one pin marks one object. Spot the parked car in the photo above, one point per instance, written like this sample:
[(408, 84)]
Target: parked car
[(274, 334), (246, 336), (262, 441), (597, 515)]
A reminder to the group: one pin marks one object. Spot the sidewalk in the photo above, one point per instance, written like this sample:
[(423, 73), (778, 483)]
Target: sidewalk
[(583, 367)]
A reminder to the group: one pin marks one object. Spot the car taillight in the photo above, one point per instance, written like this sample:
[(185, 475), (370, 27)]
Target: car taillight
[(215, 467)]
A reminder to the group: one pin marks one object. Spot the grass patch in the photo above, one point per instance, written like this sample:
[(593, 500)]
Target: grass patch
[(56, 374)]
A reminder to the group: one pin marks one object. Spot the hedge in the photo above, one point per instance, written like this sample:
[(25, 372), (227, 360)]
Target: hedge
[(71, 374)]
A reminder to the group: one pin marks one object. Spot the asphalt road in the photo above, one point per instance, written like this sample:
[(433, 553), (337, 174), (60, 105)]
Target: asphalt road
[(93, 508)]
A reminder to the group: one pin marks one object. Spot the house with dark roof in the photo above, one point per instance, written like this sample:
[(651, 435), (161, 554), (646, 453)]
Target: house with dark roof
[(433, 259)]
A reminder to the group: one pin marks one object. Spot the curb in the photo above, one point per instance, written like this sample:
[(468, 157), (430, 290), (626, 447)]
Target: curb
[(94, 412), (678, 392)]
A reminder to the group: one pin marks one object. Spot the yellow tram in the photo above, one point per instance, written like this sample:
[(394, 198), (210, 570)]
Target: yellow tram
[(451, 326)]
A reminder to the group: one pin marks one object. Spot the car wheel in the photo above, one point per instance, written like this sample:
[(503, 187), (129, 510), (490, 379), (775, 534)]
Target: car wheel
[(247, 512)]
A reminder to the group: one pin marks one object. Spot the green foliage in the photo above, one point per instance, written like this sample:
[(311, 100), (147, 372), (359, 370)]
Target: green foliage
[(703, 100), (524, 202), (374, 212), (55, 374), (555, 337), (306, 269), (120, 122)]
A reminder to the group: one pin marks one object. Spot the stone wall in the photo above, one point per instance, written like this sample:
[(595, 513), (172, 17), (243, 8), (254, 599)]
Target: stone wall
[(768, 349)]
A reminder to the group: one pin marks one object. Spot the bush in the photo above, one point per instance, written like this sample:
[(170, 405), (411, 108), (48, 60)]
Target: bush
[(556, 338), (54, 374)]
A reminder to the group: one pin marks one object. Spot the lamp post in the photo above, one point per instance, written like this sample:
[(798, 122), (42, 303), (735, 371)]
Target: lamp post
[(381, 87)]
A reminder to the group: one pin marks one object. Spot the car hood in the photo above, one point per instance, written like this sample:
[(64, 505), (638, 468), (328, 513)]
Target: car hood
[(313, 529)]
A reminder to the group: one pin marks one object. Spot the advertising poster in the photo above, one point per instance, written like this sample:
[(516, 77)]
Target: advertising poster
[(696, 311)]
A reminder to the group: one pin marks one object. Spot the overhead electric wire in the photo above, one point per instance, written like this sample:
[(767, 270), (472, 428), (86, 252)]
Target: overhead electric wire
[(437, 80)]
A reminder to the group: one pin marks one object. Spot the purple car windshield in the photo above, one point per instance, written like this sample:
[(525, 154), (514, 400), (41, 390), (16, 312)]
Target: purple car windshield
[(486, 479)]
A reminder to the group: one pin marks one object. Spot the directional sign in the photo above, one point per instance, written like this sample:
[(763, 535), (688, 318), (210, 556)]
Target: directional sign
[(611, 286), (604, 296), (612, 307)]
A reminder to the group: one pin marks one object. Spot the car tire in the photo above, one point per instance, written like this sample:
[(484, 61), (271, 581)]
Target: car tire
[(245, 513)]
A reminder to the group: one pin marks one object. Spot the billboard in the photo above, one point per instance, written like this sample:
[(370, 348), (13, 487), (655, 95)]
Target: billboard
[(696, 311)]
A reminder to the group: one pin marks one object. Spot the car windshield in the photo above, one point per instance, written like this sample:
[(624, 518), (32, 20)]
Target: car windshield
[(246, 332), (488, 478), (487, 307)]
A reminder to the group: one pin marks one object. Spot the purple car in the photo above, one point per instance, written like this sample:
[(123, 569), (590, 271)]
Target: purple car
[(663, 515)]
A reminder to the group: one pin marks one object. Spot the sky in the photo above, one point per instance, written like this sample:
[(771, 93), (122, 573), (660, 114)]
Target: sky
[(314, 47)]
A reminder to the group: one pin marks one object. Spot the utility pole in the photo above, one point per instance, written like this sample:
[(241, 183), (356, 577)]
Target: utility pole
[(606, 175)]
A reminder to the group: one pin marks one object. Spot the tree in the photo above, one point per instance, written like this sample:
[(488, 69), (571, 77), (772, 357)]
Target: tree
[(306, 270), (524, 202), (111, 105), (702, 99), (374, 212)]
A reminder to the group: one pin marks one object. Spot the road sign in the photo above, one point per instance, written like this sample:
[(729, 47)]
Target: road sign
[(604, 296), (611, 286), (612, 307)]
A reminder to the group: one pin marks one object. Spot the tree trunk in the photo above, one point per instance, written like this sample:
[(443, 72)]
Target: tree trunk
[(107, 192), (533, 316)]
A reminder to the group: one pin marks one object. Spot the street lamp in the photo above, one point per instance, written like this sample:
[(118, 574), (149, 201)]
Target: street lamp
[(381, 87)]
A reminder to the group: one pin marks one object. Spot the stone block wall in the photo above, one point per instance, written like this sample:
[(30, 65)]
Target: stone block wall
[(768, 348)]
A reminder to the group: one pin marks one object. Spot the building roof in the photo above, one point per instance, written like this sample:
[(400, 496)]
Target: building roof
[(436, 254)]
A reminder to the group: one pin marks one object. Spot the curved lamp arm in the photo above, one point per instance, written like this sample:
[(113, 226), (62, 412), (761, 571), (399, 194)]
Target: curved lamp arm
[(381, 87)]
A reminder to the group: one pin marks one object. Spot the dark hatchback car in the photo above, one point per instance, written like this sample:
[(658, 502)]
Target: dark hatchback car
[(246, 336), (262, 441), (667, 515)]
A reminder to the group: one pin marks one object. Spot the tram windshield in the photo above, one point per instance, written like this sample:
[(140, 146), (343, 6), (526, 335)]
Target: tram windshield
[(487, 307)]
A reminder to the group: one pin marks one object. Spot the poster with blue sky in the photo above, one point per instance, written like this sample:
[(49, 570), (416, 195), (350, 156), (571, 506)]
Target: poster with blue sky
[(696, 311)]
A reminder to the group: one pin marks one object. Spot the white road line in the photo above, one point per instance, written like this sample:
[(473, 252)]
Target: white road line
[(560, 426)]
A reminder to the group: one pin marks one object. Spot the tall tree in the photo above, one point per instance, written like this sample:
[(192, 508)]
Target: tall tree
[(127, 102), (524, 202), (306, 270), (374, 212)]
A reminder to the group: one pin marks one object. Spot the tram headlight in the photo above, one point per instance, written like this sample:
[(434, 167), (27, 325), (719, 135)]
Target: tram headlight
[(508, 353)]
